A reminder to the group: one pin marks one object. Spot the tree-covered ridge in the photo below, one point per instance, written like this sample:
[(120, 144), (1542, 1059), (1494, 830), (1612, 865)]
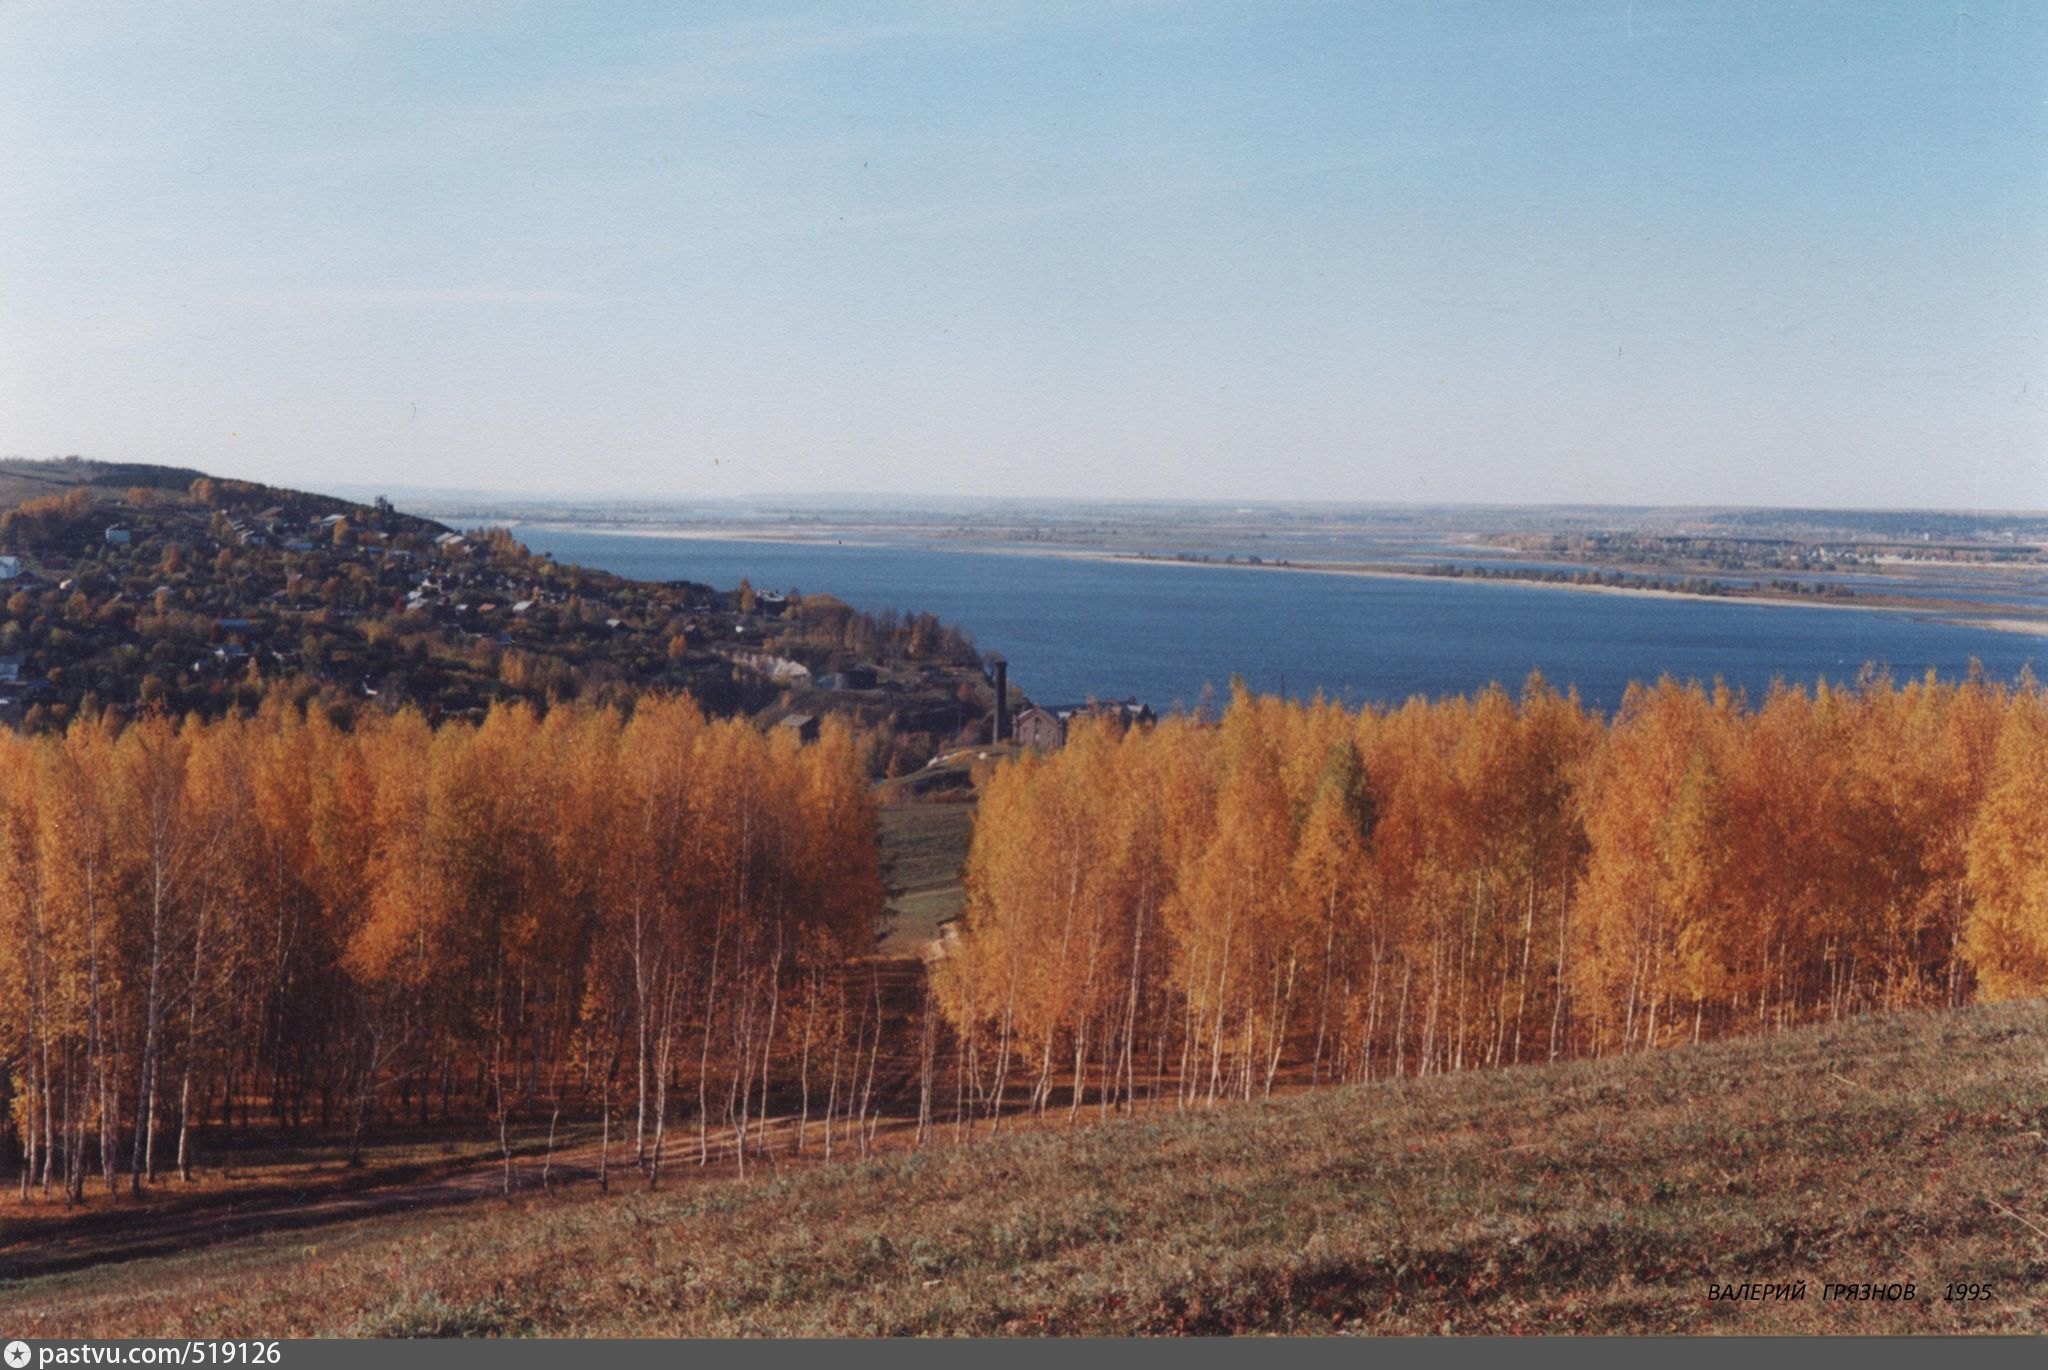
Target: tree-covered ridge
[(208, 596), (1310, 892)]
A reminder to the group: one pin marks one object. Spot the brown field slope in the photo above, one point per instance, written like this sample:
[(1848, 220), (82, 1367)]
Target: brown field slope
[(923, 846), (22, 479), (1598, 1196)]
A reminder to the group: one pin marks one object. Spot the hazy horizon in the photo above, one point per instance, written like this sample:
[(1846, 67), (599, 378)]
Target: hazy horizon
[(925, 500), (1620, 254)]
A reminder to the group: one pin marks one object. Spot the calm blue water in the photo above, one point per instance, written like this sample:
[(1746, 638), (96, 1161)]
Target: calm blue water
[(1073, 628)]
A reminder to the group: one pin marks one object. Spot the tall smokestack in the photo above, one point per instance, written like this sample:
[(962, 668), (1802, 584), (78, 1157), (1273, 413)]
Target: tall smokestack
[(1002, 683)]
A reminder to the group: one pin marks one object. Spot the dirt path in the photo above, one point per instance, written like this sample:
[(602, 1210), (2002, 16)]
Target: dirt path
[(72, 1240)]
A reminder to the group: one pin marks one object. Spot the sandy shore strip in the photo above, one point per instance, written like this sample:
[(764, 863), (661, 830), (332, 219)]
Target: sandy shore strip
[(2033, 627)]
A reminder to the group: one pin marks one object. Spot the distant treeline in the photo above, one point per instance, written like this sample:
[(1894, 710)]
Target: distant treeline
[(1200, 910), (1622, 580)]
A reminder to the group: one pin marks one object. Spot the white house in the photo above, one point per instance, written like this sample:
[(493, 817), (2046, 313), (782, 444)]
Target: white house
[(10, 567)]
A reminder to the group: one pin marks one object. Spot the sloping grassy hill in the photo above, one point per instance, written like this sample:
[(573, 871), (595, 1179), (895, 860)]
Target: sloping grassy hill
[(923, 846), (1588, 1197), (24, 479)]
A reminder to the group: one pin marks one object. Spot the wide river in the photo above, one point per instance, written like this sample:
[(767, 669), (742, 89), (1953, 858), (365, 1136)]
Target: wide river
[(1075, 628)]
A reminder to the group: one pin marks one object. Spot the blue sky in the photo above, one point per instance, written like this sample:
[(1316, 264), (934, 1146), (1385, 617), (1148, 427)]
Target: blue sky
[(1781, 253)]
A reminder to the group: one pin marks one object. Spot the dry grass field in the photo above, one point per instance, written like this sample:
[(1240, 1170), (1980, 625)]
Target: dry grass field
[(924, 845), (1589, 1197)]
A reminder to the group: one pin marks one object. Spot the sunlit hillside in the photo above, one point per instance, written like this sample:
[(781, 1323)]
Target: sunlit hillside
[(1596, 1196)]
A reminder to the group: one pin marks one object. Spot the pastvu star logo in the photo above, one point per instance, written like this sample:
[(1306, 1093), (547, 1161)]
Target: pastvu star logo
[(17, 1355)]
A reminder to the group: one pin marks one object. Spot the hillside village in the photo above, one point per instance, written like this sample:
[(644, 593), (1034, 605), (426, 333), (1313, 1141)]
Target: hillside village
[(142, 587)]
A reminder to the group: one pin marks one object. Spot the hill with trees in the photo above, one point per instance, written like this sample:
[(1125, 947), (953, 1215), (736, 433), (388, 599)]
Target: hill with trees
[(142, 587)]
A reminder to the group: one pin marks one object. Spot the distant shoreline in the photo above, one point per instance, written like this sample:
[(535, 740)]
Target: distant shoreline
[(1942, 611), (1968, 614)]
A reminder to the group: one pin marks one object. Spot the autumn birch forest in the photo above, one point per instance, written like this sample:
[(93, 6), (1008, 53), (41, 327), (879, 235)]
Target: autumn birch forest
[(271, 922), (665, 925)]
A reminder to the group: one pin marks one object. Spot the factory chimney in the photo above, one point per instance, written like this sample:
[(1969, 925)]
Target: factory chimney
[(999, 676)]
